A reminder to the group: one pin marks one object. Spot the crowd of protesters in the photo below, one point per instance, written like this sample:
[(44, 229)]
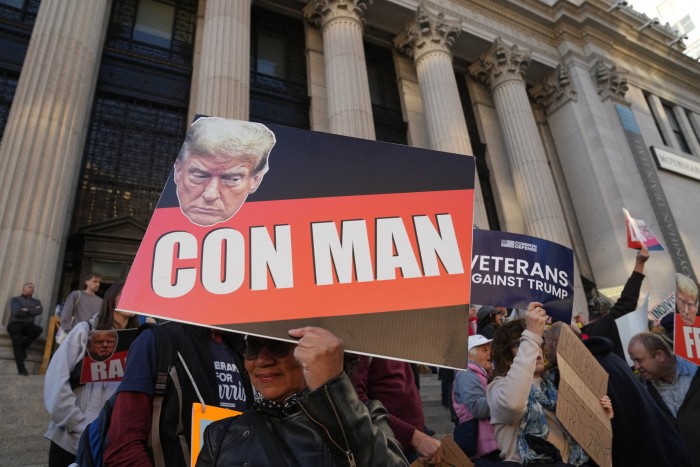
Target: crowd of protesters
[(310, 403)]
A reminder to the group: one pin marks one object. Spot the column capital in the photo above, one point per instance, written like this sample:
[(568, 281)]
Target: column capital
[(501, 63), (427, 32), (321, 12), (554, 90), (611, 81)]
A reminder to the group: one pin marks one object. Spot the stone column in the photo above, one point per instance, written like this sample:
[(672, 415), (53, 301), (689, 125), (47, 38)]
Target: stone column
[(42, 147), (223, 81), (428, 39), (349, 104), (503, 69)]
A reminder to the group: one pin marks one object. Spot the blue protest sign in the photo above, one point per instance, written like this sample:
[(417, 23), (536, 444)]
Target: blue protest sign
[(512, 270)]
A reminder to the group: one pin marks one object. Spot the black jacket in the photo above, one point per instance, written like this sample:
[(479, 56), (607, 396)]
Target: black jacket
[(329, 427), (642, 436), (605, 326), (687, 422)]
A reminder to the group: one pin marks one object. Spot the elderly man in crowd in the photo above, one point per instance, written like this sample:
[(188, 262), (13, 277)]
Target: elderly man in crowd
[(673, 383), (221, 162)]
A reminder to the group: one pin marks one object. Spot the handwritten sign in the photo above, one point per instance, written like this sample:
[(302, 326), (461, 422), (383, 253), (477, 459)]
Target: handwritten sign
[(582, 383), (452, 455)]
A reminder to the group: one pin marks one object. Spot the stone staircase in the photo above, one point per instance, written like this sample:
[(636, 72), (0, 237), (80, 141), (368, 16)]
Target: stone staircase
[(23, 421), (436, 416)]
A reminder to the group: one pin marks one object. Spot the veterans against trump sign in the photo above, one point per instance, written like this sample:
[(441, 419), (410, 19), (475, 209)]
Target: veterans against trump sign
[(513, 270), (262, 229)]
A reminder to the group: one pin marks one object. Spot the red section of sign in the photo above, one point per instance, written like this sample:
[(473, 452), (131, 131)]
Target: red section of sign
[(111, 369), (305, 298), (687, 339)]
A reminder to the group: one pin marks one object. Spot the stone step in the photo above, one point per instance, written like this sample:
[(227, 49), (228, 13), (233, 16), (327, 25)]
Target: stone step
[(436, 416), (25, 449)]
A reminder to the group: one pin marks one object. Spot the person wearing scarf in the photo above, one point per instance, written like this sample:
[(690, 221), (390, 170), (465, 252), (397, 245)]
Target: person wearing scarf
[(306, 413), (523, 403)]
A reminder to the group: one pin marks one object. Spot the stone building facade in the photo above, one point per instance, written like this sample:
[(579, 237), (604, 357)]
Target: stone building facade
[(573, 109)]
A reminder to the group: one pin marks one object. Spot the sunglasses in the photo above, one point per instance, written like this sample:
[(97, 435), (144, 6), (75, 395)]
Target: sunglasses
[(253, 347)]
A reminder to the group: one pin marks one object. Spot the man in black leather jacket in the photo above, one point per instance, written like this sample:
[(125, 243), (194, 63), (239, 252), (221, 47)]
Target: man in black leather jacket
[(309, 414)]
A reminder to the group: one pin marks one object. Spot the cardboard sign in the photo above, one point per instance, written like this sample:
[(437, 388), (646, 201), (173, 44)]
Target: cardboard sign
[(453, 456), (639, 233), (513, 270), (105, 355), (632, 324), (202, 417), (582, 383), (339, 233)]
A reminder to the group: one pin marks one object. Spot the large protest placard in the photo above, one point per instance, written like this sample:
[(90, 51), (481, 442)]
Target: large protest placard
[(686, 340), (582, 383), (370, 240), (639, 233), (513, 270), (105, 355)]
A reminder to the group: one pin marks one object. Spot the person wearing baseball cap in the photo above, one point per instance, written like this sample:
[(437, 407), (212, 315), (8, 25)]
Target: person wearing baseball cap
[(474, 433)]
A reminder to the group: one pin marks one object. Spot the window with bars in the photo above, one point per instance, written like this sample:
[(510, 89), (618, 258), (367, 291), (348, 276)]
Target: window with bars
[(156, 29), (389, 125), (676, 128), (129, 153), (278, 89)]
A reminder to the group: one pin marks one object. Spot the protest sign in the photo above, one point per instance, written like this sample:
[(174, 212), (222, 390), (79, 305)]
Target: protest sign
[(631, 324), (370, 240), (105, 355), (666, 306), (582, 383), (513, 270), (452, 455), (202, 417), (639, 233), (686, 341)]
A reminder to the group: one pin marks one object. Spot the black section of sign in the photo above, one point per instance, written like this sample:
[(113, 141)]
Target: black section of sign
[(307, 164)]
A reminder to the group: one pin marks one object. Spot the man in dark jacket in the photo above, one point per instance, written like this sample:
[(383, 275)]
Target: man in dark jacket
[(21, 327), (655, 441), (217, 374), (605, 326), (673, 383)]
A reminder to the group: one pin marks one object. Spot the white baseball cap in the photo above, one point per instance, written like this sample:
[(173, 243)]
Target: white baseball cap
[(476, 340)]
